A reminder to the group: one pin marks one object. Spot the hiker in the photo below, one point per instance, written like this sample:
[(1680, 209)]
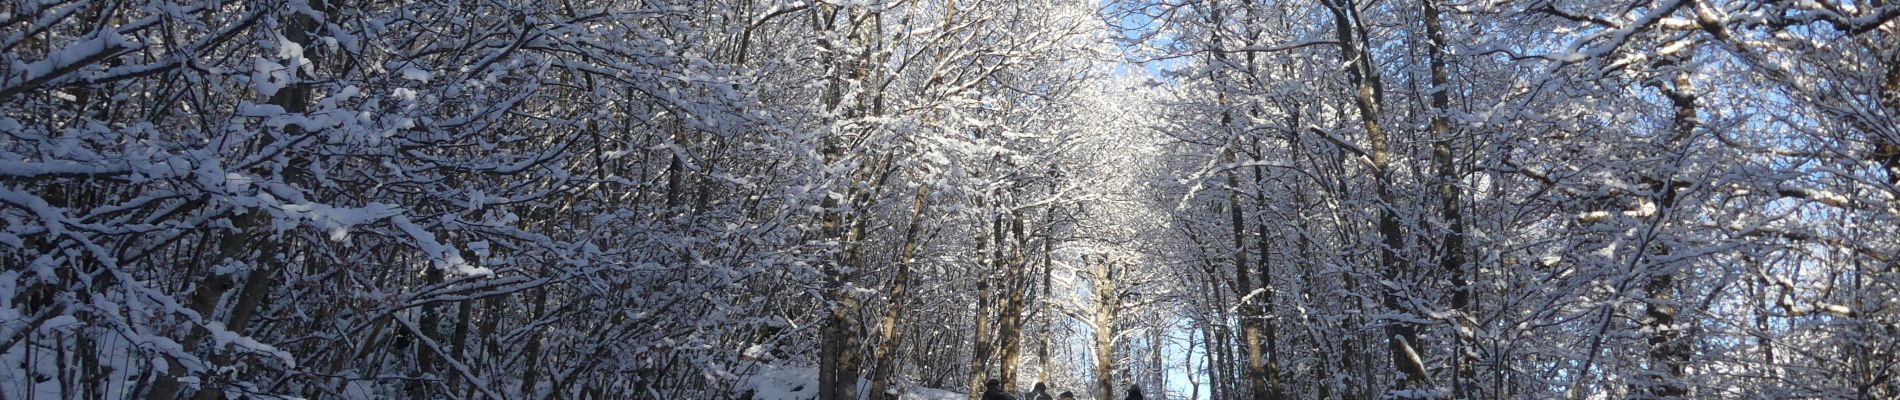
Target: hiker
[(1040, 393), (993, 390), (1066, 395), (1134, 392)]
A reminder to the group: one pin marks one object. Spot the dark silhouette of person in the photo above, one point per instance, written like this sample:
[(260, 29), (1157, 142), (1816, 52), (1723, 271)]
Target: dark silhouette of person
[(1040, 393), (1066, 395), (993, 390), (1134, 392)]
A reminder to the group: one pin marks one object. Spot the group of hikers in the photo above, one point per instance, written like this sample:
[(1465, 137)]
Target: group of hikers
[(993, 390)]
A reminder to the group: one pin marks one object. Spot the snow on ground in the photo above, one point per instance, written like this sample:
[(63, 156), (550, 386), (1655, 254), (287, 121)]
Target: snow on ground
[(783, 383), (923, 393), (776, 382)]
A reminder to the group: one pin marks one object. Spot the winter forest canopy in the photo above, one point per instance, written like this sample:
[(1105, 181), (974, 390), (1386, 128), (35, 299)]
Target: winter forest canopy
[(842, 200)]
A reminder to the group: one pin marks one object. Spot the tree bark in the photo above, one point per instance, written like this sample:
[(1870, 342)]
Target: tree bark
[(242, 243), (1016, 286), (980, 337), (1249, 313), (1048, 271), (1403, 346), (1453, 257), (531, 353), (886, 353), (1668, 351), (1263, 266), (1107, 305), (420, 384), (841, 338)]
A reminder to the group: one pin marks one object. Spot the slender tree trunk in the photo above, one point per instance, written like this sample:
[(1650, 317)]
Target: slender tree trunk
[(675, 173), (1219, 355), (839, 351), (1665, 342), (243, 244), (1231, 362), (1453, 259), (886, 353), (1264, 266), (1249, 313), (1158, 371), (1016, 286), (1255, 374), (531, 354), (1887, 150), (1187, 362), (848, 333), (1048, 271), (980, 337), (1404, 348), (1668, 350), (840, 347), (1213, 362), (419, 385), (1107, 304), (459, 345)]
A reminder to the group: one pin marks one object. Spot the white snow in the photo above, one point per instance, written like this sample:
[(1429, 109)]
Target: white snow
[(778, 382), (267, 77), (416, 74)]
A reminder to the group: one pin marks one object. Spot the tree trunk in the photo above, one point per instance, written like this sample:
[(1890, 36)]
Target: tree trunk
[(1453, 259), (1403, 346), (1106, 306), (1668, 350), (531, 354), (1048, 271), (422, 381), (1213, 363), (1249, 313), (1887, 149), (841, 338), (1016, 286), (242, 244), (839, 352), (980, 340), (464, 315), (1263, 266), (1157, 372), (886, 353)]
